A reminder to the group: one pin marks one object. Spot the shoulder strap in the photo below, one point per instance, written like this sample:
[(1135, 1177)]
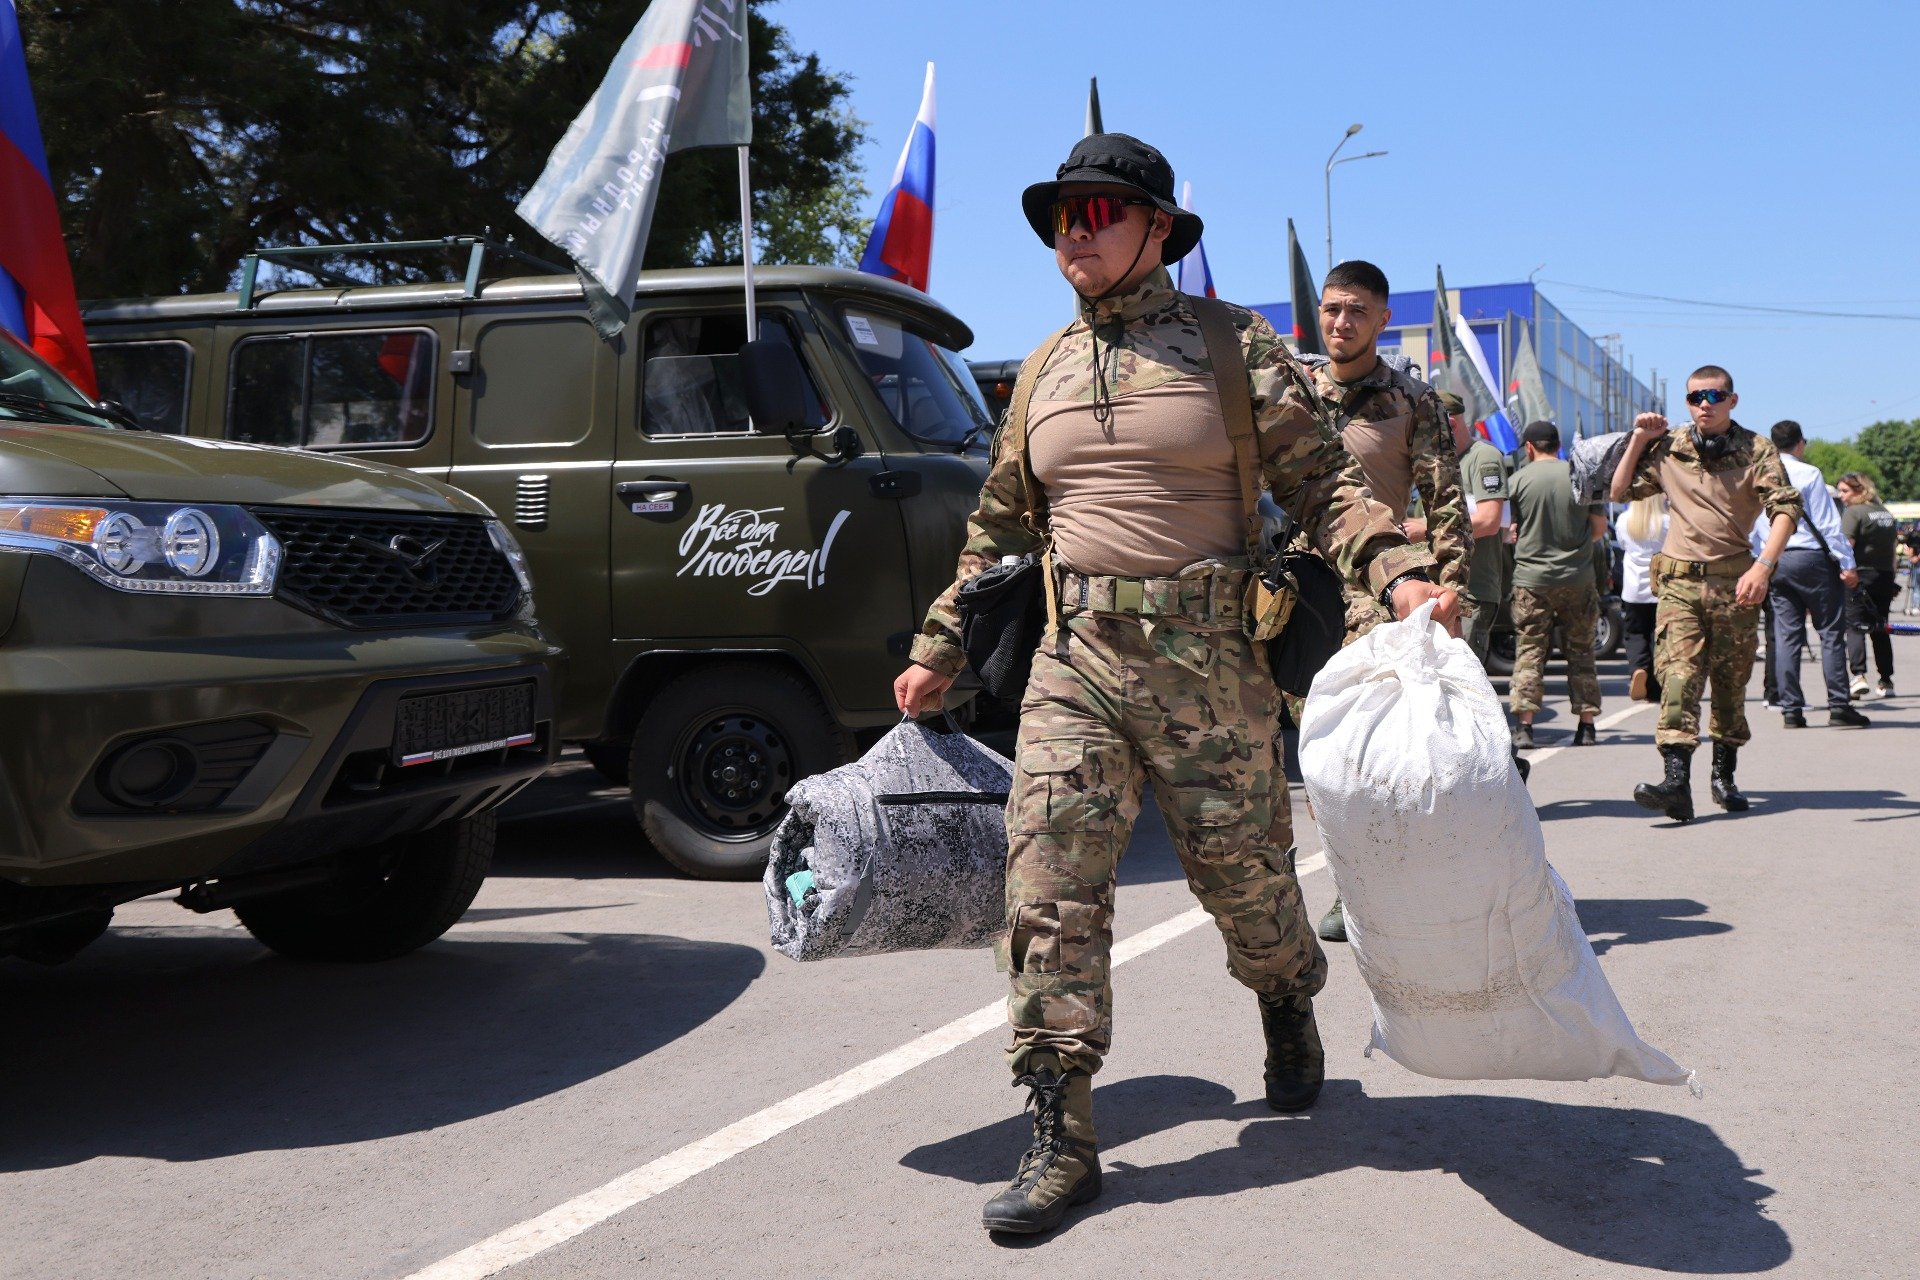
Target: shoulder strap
[(1236, 402), (1016, 428)]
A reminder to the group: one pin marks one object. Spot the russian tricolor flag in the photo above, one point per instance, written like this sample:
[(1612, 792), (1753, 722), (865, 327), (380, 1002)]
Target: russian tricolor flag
[(901, 246), (1195, 276), (37, 303)]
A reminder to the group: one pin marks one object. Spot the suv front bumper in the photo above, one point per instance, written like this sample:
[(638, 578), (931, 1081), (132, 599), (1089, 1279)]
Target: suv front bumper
[(294, 712)]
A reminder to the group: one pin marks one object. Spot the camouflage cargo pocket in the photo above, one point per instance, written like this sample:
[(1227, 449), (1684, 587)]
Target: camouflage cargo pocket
[(1063, 788)]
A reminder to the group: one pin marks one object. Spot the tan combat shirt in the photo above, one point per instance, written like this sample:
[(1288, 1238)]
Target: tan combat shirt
[(1150, 338), (1395, 425), (1711, 505)]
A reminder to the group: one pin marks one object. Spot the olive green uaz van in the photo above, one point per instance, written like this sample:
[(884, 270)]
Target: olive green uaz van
[(735, 597)]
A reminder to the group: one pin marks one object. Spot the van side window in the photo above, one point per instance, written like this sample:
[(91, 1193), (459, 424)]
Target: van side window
[(150, 378), (333, 390), (532, 382), (691, 384)]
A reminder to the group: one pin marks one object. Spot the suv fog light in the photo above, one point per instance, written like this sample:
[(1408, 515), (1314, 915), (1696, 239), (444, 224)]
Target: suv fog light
[(190, 542), (150, 774), (119, 542)]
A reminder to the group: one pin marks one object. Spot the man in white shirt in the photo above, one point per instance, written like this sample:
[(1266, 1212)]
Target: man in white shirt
[(1816, 569)]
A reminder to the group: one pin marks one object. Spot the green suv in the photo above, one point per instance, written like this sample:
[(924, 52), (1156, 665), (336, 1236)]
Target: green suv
[(735, 597), (290, 685)]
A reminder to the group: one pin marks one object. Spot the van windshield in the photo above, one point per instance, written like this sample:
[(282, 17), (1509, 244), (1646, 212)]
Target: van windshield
[(31, 390), (927, 388)]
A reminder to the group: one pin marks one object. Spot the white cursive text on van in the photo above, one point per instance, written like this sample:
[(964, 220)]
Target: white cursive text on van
[(741, 543)]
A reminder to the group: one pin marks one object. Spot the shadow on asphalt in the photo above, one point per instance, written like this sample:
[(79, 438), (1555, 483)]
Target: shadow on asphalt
[(1639, 920), (177, 1048), (1892, 805), (1641, 1188), (1593, 807)]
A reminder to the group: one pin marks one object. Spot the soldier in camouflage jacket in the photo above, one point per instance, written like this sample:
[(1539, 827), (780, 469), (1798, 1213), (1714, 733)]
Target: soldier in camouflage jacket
[(1148, 674)]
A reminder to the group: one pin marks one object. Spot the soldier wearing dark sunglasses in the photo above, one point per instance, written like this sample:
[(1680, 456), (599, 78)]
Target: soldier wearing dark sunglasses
[(1718, 477), (1136, 471)]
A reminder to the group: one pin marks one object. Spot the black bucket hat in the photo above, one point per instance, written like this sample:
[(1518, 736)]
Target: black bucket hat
[(1121, 158)]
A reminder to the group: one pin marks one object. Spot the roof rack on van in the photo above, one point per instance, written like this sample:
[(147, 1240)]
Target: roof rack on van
[(477, 249)]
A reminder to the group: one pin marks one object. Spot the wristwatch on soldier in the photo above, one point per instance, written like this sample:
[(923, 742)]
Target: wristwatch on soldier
[(1411, 575)]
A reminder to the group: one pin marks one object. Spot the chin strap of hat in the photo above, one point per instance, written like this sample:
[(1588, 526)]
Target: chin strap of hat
[(1102, 394)]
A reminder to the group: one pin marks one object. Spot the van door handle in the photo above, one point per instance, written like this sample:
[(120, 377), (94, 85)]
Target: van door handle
[(655, 498)]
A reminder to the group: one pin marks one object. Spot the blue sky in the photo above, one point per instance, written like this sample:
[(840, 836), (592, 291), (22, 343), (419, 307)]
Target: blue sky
[(1756, 154)]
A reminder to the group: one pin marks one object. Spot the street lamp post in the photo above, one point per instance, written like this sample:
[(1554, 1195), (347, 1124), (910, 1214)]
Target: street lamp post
[(1328, 183)]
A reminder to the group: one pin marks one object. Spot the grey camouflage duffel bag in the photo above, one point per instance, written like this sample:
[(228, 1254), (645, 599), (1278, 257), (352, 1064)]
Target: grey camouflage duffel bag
[(903, 850)]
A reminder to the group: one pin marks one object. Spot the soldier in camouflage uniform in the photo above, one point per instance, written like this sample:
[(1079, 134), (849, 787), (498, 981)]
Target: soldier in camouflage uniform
[(1718, 478), (1484, 477), (1553, 582), (1396, 427), (1125, 471)]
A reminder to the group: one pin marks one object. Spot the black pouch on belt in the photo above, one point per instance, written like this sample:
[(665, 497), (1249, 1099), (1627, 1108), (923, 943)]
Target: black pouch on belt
[(1315, 627), (1002, 617)]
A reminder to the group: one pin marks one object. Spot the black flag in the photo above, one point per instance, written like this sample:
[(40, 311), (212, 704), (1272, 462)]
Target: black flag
[(1306, 300)]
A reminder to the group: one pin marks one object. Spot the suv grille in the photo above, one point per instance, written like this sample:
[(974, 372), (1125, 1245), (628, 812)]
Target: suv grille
[(371, 569)]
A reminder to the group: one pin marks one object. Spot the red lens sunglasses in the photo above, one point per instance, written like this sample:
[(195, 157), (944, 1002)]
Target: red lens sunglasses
[(1096, 213)]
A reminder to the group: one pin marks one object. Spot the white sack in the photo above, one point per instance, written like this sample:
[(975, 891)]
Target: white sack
[(1468, 940)]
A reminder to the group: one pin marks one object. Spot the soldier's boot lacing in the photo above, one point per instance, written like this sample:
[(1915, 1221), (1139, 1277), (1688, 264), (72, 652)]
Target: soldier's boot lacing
[(1726, 793), (1296, 1065), (1061, 1168), (1674, 795)]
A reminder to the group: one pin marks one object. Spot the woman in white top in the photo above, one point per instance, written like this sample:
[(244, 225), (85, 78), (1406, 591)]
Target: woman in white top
[(1640, 529)]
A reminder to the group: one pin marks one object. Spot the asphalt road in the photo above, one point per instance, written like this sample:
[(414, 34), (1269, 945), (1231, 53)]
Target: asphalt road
[(183, 1104)]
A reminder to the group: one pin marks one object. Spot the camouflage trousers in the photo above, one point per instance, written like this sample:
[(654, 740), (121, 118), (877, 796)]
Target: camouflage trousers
[(1701, 637), (1534, 611), (1127, 700)]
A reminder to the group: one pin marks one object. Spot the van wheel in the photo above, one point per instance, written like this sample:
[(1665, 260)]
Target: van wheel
[(1500, 653), (609, 760), (713, 757), (1608, 635), (388, 900)]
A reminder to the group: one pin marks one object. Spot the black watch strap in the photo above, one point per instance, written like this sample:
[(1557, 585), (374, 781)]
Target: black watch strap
[(1411, 575)]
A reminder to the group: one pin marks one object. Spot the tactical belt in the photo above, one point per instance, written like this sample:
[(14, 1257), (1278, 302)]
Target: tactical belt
[(1217, 597), (1725, 567)]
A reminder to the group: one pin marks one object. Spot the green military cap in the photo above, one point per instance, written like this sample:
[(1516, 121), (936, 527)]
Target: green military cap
[(1453, 402)]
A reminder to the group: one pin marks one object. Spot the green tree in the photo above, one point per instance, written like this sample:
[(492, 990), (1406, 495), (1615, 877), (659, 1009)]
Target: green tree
[(184, 133), (1895, 447), (1837, 457)]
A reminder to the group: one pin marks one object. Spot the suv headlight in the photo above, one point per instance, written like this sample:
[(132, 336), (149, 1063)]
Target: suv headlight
[(162, 547), (509, 546)]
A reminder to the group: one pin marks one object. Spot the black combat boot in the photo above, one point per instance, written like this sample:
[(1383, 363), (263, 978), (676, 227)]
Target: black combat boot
[(1674, 797), (1295, 1063), (1725, 794), (1062, 1167)]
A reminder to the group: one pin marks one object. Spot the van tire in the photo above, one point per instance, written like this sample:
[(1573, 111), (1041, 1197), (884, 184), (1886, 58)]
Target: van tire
[(1500, 652), (610, 760), (430, 879), (767, 723)]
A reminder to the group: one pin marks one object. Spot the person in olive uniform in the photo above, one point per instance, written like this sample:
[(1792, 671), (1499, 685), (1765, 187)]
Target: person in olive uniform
[(1553, 583), (1484, 478), (1121, 461)]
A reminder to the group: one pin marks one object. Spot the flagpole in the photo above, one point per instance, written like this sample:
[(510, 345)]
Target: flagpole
[(746, 246)]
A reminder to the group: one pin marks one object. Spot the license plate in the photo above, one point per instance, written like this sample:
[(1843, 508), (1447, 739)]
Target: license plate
[(430, 727)]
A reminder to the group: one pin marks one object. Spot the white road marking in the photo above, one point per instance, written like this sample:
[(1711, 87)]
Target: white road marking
[(582, 1213), (1604, 722)]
